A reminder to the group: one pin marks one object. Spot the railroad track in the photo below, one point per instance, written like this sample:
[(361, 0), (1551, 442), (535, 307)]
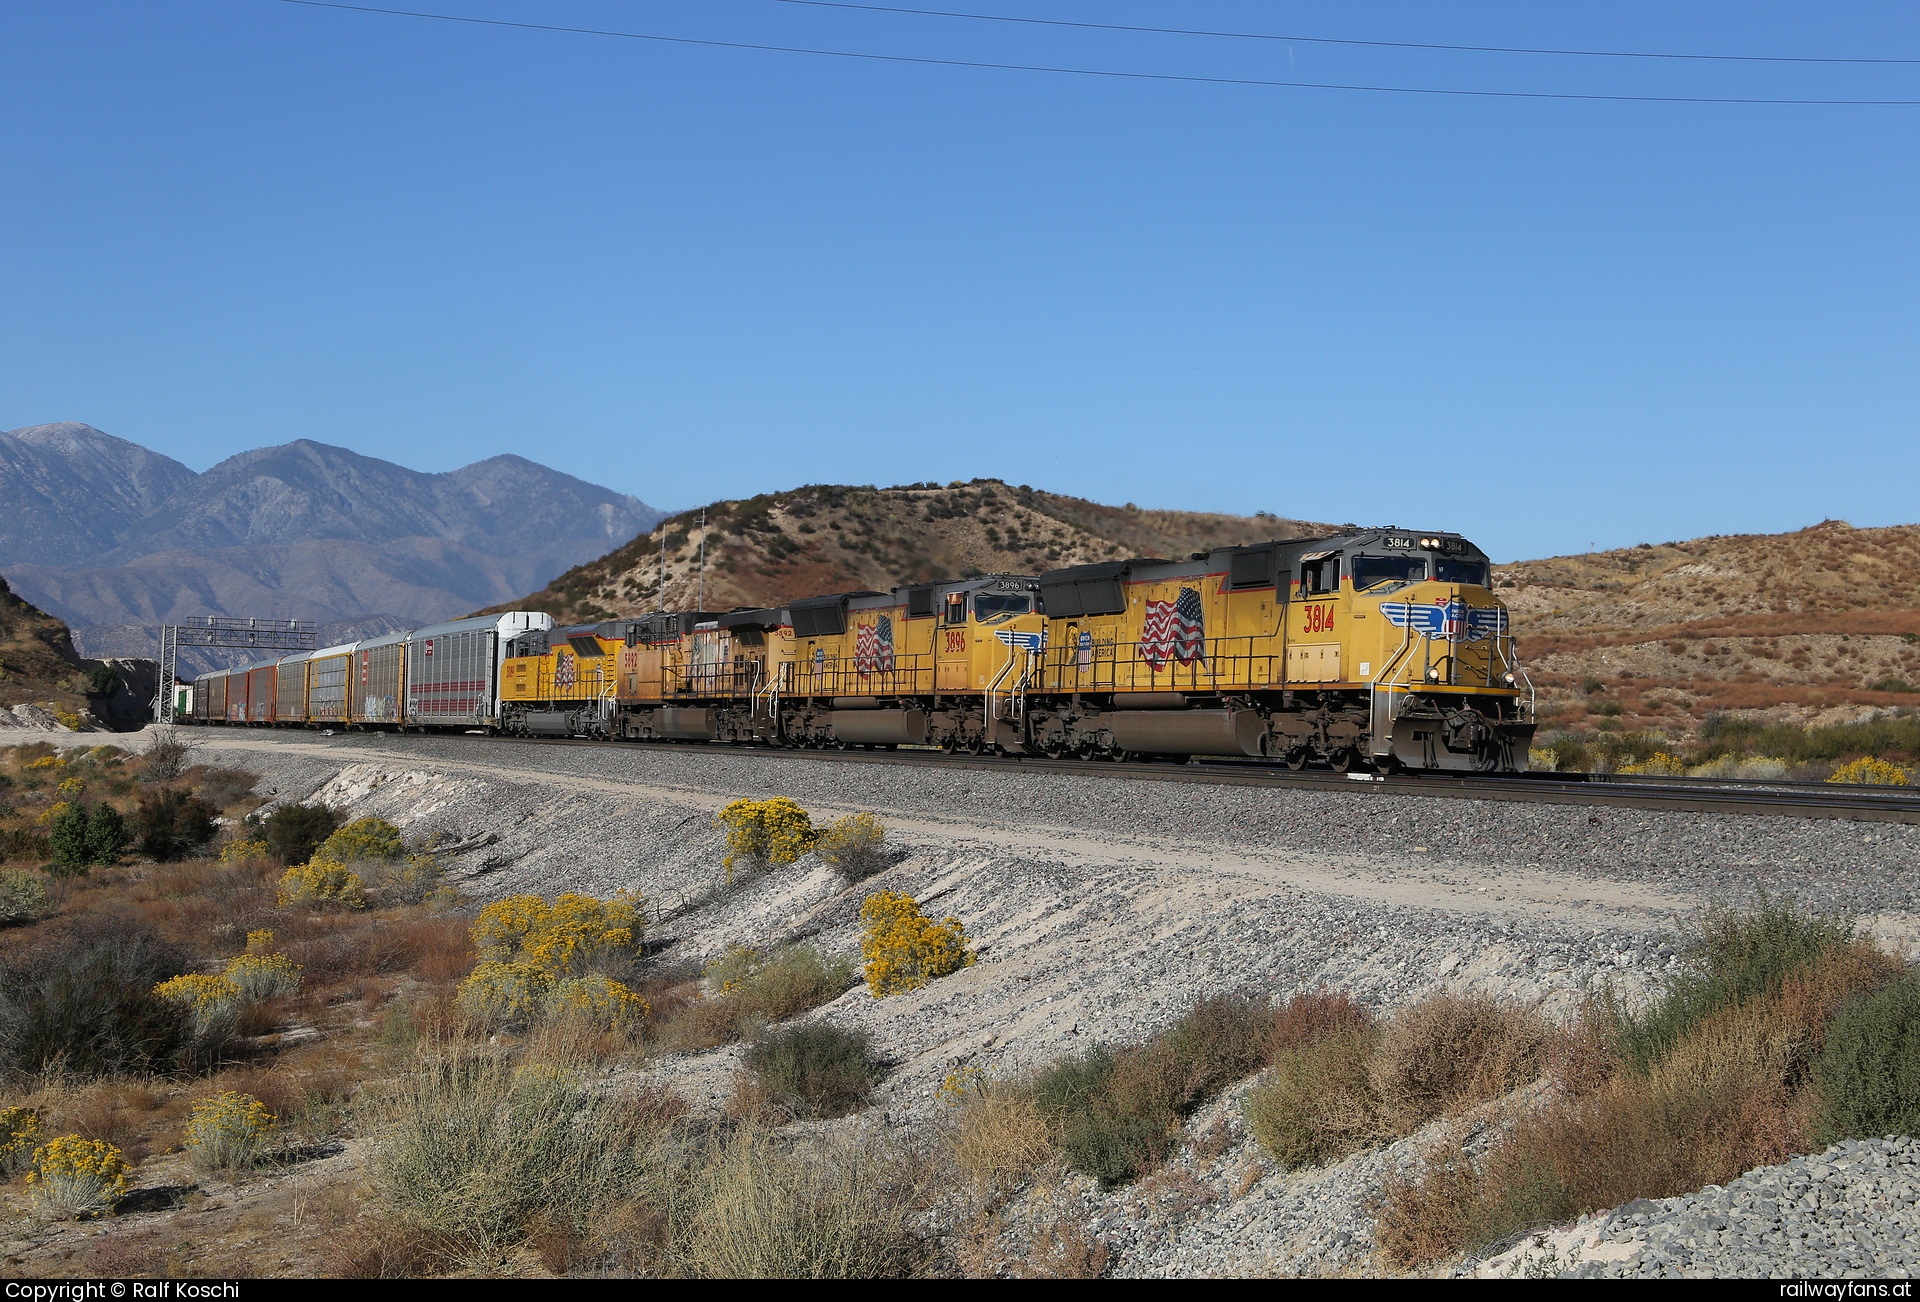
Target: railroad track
[(1696, 795)]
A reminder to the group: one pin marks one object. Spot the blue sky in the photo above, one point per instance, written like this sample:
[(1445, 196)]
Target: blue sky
[(692, 273)]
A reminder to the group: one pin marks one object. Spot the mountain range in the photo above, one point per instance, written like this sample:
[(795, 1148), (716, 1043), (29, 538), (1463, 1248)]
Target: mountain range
[(114, 538)]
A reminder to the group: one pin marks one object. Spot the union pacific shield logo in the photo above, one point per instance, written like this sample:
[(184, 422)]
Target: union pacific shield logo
[(1451, 620)]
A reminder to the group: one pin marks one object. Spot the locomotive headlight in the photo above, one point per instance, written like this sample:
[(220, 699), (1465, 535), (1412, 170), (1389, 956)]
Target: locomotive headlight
[(1433, 675), (1509, 678)]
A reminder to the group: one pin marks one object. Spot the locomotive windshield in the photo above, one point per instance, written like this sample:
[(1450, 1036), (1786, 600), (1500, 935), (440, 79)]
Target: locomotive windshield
[(1369, 570), (994, 603), (1474, 572)]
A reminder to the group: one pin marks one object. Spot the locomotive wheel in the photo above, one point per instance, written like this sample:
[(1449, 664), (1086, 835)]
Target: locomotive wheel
[(1342, 760), (1296, 759)]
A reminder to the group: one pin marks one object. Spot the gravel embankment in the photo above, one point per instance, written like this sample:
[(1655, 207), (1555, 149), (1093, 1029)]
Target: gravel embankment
[(1103, 908), (1850, 1212)]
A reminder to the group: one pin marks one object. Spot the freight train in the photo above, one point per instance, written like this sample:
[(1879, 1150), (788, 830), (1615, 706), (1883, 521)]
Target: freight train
[(1382, 649)]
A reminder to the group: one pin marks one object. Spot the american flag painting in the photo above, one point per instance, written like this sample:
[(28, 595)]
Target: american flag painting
[(873, 647), (1174, 630)]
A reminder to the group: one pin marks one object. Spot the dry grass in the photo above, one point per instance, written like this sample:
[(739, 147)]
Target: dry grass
[(1451, 1052), (1713, 1080), (999, 1139), (840, 1209)]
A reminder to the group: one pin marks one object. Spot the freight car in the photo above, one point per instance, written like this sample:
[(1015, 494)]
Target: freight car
[(1384, 649)]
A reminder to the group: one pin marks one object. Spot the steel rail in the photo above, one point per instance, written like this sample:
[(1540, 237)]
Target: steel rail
[(1808, 800)]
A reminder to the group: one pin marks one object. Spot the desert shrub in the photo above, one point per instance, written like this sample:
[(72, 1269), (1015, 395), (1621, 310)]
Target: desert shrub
[(598, 1002), (320, 882), (85, 1004), (1658, 764), (1710, 1082), (772, 987), (814, 1070), (414, 879), (1449, 1052), (839, 1210), (243, 851), (172, 824), (1733, 956), (23, 896), (854, 846), (904, 949), (211, 1002), (362, 839), (476, 1154), (294, 832), (1117, 1112), (230, 1131), (19, 844), (1318, 1104), (764, 834), (569, 935), (504, 993), (167, 754), (1868, 771), (222, 787), (19, 1131), (260, 973), (72, 1176), (1867, 1074)]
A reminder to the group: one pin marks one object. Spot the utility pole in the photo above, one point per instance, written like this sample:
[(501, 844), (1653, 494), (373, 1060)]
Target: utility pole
[(660, 597), (701, 604)]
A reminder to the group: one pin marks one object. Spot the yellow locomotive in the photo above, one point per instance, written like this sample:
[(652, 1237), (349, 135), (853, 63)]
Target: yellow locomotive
[(1378, 648)]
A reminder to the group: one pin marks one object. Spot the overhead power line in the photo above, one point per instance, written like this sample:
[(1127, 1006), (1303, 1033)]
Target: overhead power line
[(1104, 72), (1338, 40)]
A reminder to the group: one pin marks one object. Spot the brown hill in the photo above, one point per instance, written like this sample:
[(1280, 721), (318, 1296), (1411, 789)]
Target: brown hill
[(830, 538), (1813, 625), (38, 665)]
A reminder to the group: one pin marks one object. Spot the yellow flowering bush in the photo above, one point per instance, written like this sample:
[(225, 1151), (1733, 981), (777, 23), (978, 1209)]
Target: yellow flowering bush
[(565, 936), (19, 1128), (904, 949), (72, 1176), (597, 1000), (765, 833), (1868, 771), (504, 992), (209, 1000), (1659, 764), (260, 976), (362, 839), (54, 810), (239, 851), (70, 720), (731, 972), (48, 762), (71, 787), (315, 882), (229, 1131)]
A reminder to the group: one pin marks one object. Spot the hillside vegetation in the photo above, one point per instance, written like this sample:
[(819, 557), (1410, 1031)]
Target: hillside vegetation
[(1813, 625), (832, 538)]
